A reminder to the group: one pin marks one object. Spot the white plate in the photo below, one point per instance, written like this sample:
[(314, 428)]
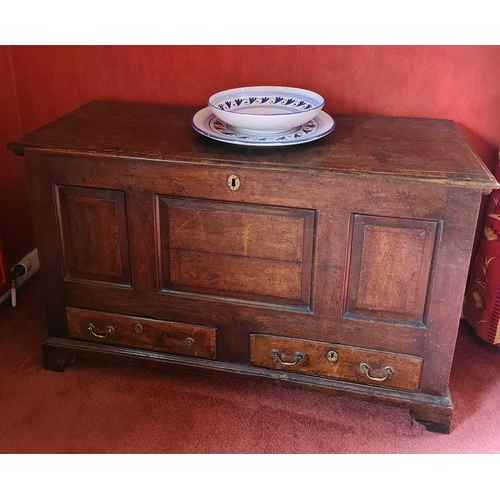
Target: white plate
[(207, 124)]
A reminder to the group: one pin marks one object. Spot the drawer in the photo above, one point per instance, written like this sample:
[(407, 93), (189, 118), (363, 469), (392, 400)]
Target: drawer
[(338, 361), (130, 331)]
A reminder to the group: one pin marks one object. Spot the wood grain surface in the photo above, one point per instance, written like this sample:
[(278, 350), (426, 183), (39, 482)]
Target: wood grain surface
[(333, 360), (384, 145), (390, 269), (94, 235), (143, 333)]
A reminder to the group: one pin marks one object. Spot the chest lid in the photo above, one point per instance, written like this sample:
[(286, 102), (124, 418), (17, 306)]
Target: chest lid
[(427, 150)]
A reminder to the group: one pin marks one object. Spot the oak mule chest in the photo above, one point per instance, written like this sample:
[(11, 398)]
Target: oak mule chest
[(337, 265)]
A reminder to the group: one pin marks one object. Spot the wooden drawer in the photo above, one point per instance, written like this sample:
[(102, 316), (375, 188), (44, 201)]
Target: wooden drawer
[(130, 331), (338, 361)]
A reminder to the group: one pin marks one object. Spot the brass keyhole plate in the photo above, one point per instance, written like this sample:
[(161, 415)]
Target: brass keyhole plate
[(332, 356), (233, 182)]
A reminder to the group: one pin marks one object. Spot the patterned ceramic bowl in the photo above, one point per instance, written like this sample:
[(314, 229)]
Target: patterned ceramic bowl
[(265, 109)]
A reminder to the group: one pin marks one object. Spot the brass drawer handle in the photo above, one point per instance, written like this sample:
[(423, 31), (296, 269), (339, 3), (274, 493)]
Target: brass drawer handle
[(299, 357), (91, 329), (365, 368)]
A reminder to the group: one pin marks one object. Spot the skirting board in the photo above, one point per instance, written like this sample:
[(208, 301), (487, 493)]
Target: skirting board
[(35, 266)]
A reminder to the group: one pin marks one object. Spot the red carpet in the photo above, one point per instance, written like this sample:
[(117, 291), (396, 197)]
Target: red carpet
[(95, 408)]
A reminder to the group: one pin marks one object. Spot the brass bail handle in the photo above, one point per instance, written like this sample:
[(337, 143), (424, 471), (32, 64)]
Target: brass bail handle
[(365, 368), (109, 329), (299, 357)]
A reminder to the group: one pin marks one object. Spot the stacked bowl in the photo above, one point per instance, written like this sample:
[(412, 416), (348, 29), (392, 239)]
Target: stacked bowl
[(264, 116)]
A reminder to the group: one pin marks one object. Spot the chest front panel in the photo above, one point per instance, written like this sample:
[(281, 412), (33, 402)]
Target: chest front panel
[(341, 260)]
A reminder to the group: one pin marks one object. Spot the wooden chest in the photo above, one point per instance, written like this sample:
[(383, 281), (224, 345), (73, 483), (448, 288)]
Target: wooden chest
[(337, 265)]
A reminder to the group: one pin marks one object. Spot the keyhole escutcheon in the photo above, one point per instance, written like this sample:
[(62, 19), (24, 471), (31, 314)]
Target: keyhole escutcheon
[(332, 356), (233, 182)]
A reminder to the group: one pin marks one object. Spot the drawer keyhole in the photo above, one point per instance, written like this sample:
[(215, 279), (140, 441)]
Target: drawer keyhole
[(233, 182), (332, 356)]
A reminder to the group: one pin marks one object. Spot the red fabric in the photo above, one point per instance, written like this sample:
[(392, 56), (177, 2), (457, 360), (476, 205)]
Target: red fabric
[(482, 297)]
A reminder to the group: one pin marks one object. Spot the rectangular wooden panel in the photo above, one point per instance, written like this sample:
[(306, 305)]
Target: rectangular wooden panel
[(93, 233), (260, 235), (232, 273), (236, 251), (390, 269), (130, 331), (338, 361)]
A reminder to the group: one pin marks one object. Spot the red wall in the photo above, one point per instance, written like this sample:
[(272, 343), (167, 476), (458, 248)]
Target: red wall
[(16, 227), (458, 83)]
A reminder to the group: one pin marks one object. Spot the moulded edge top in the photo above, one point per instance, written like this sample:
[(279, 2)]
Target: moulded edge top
[(426, 150)]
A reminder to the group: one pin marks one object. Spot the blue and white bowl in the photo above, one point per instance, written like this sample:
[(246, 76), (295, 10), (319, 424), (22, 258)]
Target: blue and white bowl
[(265, 109)]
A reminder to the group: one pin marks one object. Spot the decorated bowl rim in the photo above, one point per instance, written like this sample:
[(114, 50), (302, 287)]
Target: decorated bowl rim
[(216, 99)]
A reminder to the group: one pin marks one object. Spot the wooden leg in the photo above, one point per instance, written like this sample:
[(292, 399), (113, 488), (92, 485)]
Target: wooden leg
[(56, 361), (434, 418)]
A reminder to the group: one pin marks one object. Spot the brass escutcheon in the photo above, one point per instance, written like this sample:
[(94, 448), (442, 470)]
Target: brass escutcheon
[(138, 328), (332, 356), (233, 182)]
